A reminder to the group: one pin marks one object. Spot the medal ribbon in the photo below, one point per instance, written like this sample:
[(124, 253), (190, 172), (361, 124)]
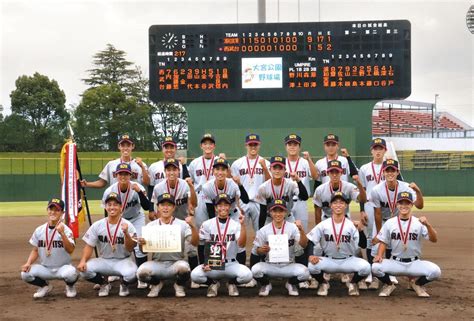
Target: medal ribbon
[(391, 204), (222, 236), (281, 189), (289, 165), (339, 188), (252, 171), (337, 236), (282, 228), (377, 178), (170, 223), (49, 241), (112, 240), (404, 235), (124, 203), (217, 189), (207, 172), (175, 188)]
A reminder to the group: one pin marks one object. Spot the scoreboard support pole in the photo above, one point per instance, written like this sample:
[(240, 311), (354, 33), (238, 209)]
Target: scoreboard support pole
[(351, 120)]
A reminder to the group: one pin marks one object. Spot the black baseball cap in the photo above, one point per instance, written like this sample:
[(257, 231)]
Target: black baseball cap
[(166, 197), (404, 196), (278, 160), (113, 196), (58, 203), (171, 162), (125, 138), (222, 197), (208, 137), (378, 142), (293, 138), (331, 138), (252, 139), (220, 162), (169, 140), (390, 163), (123, 167), (339, 195), (334, 164), (277, 203)]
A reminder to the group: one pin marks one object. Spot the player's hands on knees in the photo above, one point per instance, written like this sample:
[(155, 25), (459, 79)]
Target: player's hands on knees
[(313, 259), (26, 267), (206, 268), (378, 259), (141, 241), (82, 266), (413, 186)]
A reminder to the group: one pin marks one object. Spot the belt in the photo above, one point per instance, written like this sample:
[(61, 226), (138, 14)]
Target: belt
[(405, 260), (338, 258), (231, 260)]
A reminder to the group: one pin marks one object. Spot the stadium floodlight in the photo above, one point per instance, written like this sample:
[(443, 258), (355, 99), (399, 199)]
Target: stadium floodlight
[(470, 19)]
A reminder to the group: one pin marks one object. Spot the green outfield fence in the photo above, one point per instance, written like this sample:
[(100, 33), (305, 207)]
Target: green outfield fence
[(35, 179)]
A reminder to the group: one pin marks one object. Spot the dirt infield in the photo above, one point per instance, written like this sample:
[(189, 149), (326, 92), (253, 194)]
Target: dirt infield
[(451, 297)]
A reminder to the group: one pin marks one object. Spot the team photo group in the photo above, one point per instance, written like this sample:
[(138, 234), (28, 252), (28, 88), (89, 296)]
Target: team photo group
[(187, 224)]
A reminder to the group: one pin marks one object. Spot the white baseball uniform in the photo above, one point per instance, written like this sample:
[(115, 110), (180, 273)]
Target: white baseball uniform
[(287, 191), (180, 192), (405, 245), (322, 166), (56, 265), (322, 197), (210, 192), (200, 170), (108, 173), (157, 173)]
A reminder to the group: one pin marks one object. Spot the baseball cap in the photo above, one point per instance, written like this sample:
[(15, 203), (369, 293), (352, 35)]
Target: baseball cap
[(334, 164), (171, 162), (209, 137), (404, 196), (113, 196), (58, 203), (166, 197), (169, 140), (331, 138), (123, 167), (222, 197), (339, 195), (278, 160), (220, 162), (293, 138), (378, 142), (390, 163), (125, 138), (252, 139), (277, 203)]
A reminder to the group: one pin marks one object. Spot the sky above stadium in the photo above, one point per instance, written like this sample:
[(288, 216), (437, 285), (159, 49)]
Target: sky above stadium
[(58, 38)]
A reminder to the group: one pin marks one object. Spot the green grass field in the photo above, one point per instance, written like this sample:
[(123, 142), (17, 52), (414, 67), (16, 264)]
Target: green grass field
[(432, 204), (48, 163)]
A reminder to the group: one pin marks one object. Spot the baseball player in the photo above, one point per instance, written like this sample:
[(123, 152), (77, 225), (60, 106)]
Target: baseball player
[(53, 243), (279, 187), (338, 238), (294, 272), (230, 235), (169, 265), (323, 193), (252, 171), (156, 170), (134, 201), (108, 175), (403, 235), (304, 168), (114, 238), (331, 148)]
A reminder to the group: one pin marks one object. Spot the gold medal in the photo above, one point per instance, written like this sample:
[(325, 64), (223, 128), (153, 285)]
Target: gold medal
[(338, 247), (251, 181), (405, 247), (113, 248), (48, 253)]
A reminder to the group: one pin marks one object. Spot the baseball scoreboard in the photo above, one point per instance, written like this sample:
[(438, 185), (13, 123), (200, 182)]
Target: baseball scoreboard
[(280, 61)]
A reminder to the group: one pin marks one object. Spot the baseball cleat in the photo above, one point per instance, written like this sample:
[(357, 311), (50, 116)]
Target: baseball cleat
[(142, 285), (233, 291), (194, 285), (387, 289), (374, 285), (345, 278), (96, 286), (113, 278), (393, 279), (212, 290), (410, 284), (251, 284), (323, 289), (313, 284), (265, 290), (104, 289), (303, 285), (179, 291), (420, 291), (155, 290), (327, 276), (352, 289), (124, 290), (71, 291), (43, 291), (292, 289), (362, 285)]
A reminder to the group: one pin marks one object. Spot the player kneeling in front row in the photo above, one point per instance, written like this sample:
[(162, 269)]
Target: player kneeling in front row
[(339, 239), (403, 235), (166, 264), (53, 243), (222, 236), (113, 237), (277, 241)]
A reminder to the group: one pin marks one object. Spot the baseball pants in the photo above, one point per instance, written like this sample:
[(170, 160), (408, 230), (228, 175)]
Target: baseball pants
[(416, 268), (279, 270), (124, 268), (67, 272), (201, 214), (300, 212), (348, 265), (233, 270), (252, 211), (162, 270)]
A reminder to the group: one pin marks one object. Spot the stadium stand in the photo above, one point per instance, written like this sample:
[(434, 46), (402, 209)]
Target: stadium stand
[(428, 159)]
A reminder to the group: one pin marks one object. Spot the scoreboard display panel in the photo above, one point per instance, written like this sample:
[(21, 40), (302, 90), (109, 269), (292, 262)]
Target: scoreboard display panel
[(280, 61)]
